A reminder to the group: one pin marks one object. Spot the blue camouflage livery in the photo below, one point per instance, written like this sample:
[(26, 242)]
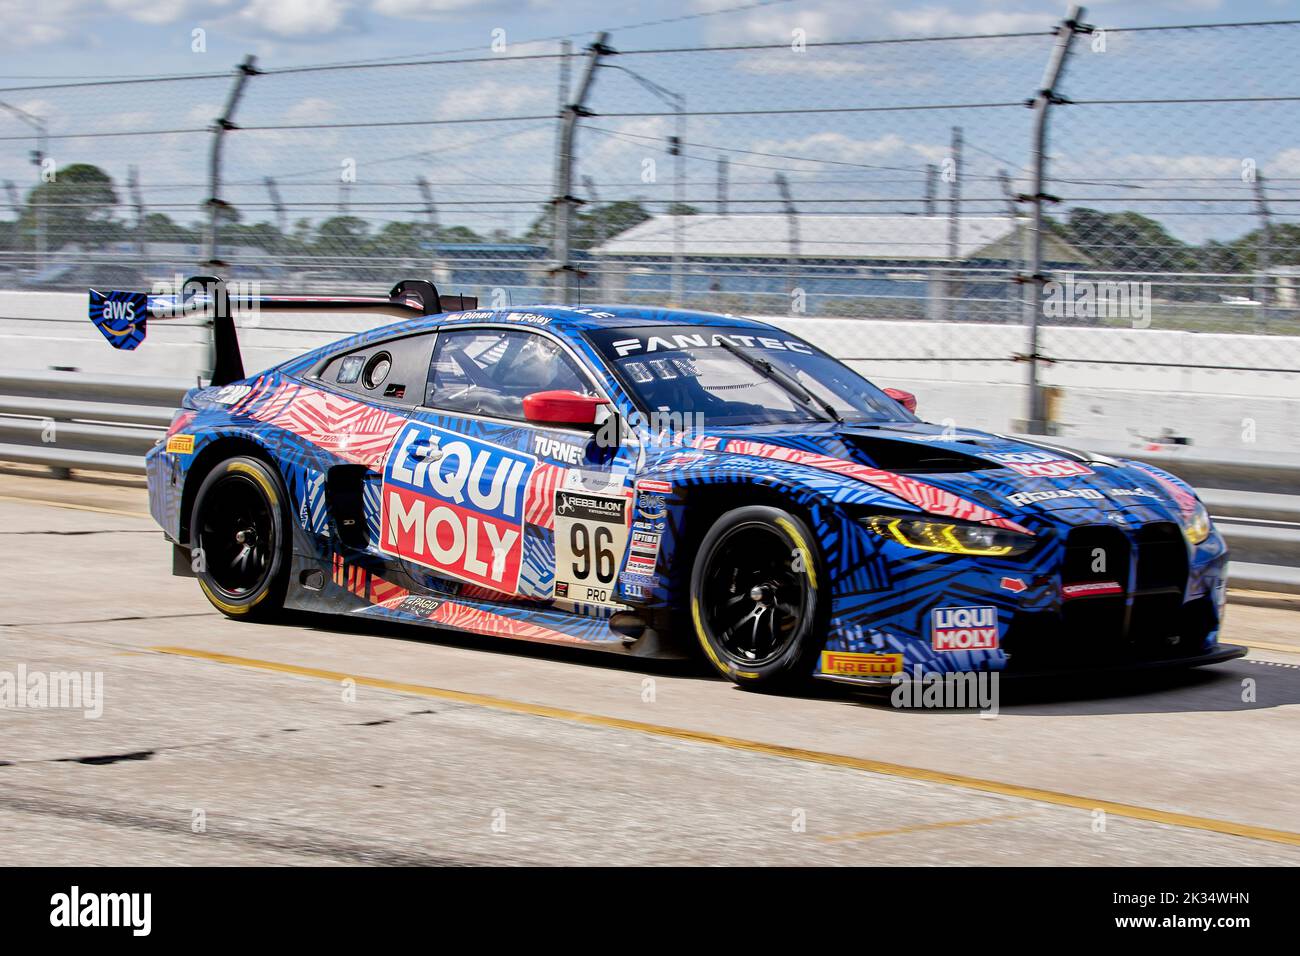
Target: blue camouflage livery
[(479, 539)]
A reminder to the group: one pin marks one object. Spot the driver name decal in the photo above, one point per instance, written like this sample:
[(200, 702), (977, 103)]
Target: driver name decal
[(456, 505)]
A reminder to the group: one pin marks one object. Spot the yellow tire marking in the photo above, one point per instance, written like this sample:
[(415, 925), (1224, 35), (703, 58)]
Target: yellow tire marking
[(920, 828), (256, 476), (75, 507), (225, 605), (704, 641), (1125, 810), (804, 554)]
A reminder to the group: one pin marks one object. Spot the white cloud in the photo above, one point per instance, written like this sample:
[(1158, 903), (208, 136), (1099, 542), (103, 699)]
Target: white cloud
[(297, 18), (496, 98), (888, 150), (944, 21), (160, 11), (420, 9)]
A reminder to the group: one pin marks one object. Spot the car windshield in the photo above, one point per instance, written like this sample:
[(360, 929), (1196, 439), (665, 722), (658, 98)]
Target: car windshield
[(737, 376)]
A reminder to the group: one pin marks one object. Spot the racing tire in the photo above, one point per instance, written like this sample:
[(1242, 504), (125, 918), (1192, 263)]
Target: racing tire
[(240, 539), (755, 605)]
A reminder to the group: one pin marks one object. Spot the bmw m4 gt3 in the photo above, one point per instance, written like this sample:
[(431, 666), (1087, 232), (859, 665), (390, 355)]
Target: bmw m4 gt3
[(660, 483)]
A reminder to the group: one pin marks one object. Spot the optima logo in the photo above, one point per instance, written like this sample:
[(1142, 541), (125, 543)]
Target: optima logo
[(964, 628), (459, 509)]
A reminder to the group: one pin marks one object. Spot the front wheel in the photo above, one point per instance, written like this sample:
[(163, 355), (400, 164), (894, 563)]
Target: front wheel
[(755, 604), (240, 539)]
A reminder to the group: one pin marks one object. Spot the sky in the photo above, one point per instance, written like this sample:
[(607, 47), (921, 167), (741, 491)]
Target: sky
[(486, 145)]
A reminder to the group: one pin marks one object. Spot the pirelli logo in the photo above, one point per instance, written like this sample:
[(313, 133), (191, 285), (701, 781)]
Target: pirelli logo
[(849, 664), (181, 445)]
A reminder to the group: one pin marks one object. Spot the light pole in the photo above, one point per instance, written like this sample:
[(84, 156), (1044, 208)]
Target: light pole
[(676, 142), (38, 160)]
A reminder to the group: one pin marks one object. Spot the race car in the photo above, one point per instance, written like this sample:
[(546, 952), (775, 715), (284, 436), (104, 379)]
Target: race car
[(663, 483)]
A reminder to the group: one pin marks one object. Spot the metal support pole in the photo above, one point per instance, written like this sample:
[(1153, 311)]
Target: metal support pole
[(137, 200), (931, 188), (431, 227), (722, 185), (1035, 422), (1004, 180), (565, 201), (952, 287), (792, 217), (679, 202), (1263, 247), (223, 123), (38, 155), (38, 160), (281, 217)]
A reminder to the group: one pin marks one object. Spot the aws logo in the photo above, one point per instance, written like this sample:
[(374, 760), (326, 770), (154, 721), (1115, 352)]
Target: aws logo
[(119, 310), (120, 317)]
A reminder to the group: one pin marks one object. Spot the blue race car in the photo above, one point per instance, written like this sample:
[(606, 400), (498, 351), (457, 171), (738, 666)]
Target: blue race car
[(662, 483)]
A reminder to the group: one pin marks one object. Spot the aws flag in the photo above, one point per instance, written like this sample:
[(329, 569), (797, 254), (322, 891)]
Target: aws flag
[(120, 316), (456, 504)]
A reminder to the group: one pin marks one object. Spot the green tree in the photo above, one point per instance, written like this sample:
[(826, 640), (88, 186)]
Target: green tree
[(1127, 242), (1283, 246), (78, 206)]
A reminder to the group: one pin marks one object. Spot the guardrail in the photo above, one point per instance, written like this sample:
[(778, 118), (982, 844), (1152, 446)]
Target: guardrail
[(67, 420)]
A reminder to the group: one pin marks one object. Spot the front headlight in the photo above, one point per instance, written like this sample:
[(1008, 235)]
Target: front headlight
[(950, 537), (1196, 526)]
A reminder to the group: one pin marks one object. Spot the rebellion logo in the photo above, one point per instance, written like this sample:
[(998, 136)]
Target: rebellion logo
[(455, 504), (964, 628)]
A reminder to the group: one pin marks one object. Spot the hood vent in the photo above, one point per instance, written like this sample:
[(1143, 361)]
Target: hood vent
[(908, 457)]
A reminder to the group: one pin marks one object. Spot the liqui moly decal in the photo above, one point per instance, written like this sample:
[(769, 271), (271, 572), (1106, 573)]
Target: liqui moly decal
[(1039, 464), (457, 507), (964, 628)]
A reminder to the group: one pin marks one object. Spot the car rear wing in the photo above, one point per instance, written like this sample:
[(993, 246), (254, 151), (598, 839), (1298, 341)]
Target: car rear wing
[(123, 317)]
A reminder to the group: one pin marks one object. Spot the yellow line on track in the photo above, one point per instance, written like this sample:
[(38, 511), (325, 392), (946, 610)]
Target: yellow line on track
[(74, 507), (1111, 807)]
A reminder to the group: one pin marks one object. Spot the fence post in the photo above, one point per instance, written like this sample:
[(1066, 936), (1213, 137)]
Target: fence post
[(1263, 245), (792, 219), (952, 286), (1035, 422), (565, 201), (220, 126)]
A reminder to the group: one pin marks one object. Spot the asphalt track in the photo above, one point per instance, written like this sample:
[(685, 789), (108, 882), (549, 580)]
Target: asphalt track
[(328, 742)]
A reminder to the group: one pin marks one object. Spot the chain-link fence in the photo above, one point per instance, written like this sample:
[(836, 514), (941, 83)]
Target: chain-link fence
[(888, 179)]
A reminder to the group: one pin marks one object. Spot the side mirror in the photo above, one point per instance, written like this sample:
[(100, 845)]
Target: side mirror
[(562, 407), (906, 399)]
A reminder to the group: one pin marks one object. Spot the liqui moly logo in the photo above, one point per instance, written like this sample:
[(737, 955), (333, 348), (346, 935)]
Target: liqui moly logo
[(1040, 464), (964, 628), (456, 505)]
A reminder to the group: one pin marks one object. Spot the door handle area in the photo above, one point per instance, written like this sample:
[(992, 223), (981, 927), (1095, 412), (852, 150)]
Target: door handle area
[(424, 452)]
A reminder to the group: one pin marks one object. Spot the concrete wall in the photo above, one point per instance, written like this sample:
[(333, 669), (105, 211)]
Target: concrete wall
[(959, 372)]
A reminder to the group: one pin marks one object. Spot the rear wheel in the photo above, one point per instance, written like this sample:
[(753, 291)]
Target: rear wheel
[(240, 539), (754, 598)]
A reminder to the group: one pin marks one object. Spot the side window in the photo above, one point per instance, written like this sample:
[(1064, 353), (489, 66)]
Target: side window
[(393, 371), (489, 371)]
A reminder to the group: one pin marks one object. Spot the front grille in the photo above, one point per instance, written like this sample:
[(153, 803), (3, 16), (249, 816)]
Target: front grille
[(1146, 621), (1162, 557)]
